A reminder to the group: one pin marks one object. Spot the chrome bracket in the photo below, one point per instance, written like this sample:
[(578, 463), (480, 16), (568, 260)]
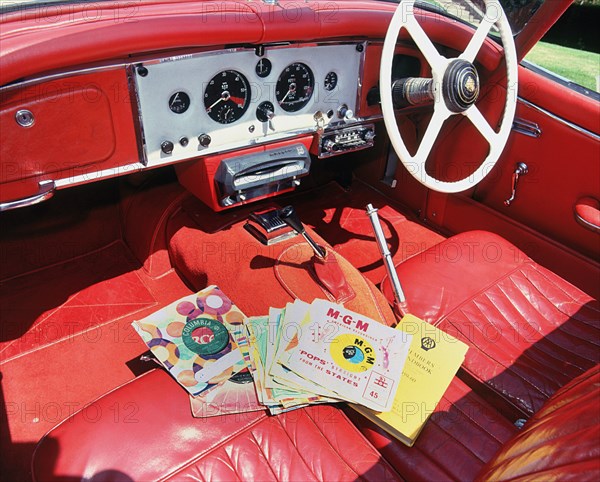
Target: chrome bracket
[(520, 170), (527, 128)]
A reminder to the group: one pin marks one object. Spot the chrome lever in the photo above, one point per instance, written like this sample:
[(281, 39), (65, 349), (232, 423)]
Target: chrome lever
[(520, 170)]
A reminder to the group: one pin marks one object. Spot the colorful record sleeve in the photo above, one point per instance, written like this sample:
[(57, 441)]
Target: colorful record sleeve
[(356, 357), (192, 338)]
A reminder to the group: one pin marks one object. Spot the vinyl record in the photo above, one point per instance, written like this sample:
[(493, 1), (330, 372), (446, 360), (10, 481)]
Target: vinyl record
[(205, 336), (352, 352)]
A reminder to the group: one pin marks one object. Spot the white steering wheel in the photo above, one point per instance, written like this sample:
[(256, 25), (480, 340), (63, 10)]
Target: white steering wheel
[(455, 90)]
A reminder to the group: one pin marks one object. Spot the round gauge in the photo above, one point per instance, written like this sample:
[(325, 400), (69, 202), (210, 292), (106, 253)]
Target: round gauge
[(330, 81), (294, 87), (263, 67), (179, 102), (227, 97)]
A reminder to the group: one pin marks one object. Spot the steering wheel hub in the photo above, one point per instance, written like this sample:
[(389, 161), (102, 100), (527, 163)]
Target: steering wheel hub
[(460, 85)]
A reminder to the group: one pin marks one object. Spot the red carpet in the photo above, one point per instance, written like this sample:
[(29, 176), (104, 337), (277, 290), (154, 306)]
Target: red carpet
[(74, 349), (339, 216), (58, 302)]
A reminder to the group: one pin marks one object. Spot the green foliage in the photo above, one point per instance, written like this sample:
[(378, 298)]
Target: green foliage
[(577, 65)]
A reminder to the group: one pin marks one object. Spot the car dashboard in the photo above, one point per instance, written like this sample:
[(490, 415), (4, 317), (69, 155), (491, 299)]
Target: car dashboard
[(210, 102)]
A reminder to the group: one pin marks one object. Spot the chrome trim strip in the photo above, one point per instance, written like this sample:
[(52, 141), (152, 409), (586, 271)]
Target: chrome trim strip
[(79, 179), (137, 115), (60, 75), (575, 127), (46, 191), (361, 68)]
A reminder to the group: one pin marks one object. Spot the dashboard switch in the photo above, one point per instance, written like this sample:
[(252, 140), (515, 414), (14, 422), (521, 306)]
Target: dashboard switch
[(167, 147), (265, 111), (204, 140)]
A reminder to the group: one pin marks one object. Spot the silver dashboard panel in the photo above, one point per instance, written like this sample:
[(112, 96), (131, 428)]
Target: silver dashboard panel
[(191, 74)]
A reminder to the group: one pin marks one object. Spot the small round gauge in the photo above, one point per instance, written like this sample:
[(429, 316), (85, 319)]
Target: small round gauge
[(179, 102), (227, 97), (263, 67), (331, 80), (294, 87)]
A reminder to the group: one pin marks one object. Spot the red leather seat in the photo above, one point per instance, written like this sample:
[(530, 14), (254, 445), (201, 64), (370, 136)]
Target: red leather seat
[(560, 442), (530, 331), (144, 431)]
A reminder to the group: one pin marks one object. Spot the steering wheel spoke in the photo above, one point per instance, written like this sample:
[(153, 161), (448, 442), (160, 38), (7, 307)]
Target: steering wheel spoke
[(487, 22), (482, 125), (433, 57), (431, 134)]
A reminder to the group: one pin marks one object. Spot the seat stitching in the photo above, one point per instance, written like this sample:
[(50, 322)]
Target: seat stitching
[(297, 451), (483, 290), (498, 362), (214, 446), (545, 276), (506, 367), (263, 454), (475, 422), (587, 304), (510, 368), (432, 460), (459, 442), (538, 345), (330, 444), (232, 464), (556, 308)]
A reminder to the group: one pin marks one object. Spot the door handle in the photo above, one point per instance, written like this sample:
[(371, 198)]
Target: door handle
[(520, 170), (46, 191), (587, 213)]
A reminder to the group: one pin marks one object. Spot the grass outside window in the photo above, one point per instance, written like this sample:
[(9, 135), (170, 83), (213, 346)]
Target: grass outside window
[(578, 66)]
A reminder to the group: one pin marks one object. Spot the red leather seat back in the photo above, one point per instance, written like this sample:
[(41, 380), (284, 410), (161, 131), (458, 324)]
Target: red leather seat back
[(560, 442), (530, 332)]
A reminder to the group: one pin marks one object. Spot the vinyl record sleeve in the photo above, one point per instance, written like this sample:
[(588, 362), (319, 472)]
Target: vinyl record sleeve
[(192, 338), (358, 358)]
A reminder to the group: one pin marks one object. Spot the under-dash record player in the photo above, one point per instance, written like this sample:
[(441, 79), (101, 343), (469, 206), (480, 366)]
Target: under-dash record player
[(246, 177)]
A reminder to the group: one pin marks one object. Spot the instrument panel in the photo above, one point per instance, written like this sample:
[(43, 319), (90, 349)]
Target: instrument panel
[(198, 104)]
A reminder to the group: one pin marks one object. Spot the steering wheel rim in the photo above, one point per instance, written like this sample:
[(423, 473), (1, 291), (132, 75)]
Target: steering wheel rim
[(405, 18)]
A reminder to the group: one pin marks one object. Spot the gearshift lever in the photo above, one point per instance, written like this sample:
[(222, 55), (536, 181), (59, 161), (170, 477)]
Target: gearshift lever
[(289, 216)]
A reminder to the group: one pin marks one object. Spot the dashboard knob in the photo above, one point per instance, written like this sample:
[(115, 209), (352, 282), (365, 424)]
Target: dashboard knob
[(167, 147), (329, 145), (369, 136), (204, 140)]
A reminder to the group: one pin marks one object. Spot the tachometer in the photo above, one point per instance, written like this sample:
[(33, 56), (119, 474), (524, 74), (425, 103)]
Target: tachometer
[(227, 96), (294, 87)]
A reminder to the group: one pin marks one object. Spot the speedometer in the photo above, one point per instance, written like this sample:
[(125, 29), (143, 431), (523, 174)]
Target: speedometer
[(294, 87), (227, 96)]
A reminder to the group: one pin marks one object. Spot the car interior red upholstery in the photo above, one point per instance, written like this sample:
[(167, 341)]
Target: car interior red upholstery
[(318, 443), (530, 331), (127, 182)]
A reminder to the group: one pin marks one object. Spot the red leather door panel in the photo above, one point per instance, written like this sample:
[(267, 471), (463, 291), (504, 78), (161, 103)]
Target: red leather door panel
[(564, 163)]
